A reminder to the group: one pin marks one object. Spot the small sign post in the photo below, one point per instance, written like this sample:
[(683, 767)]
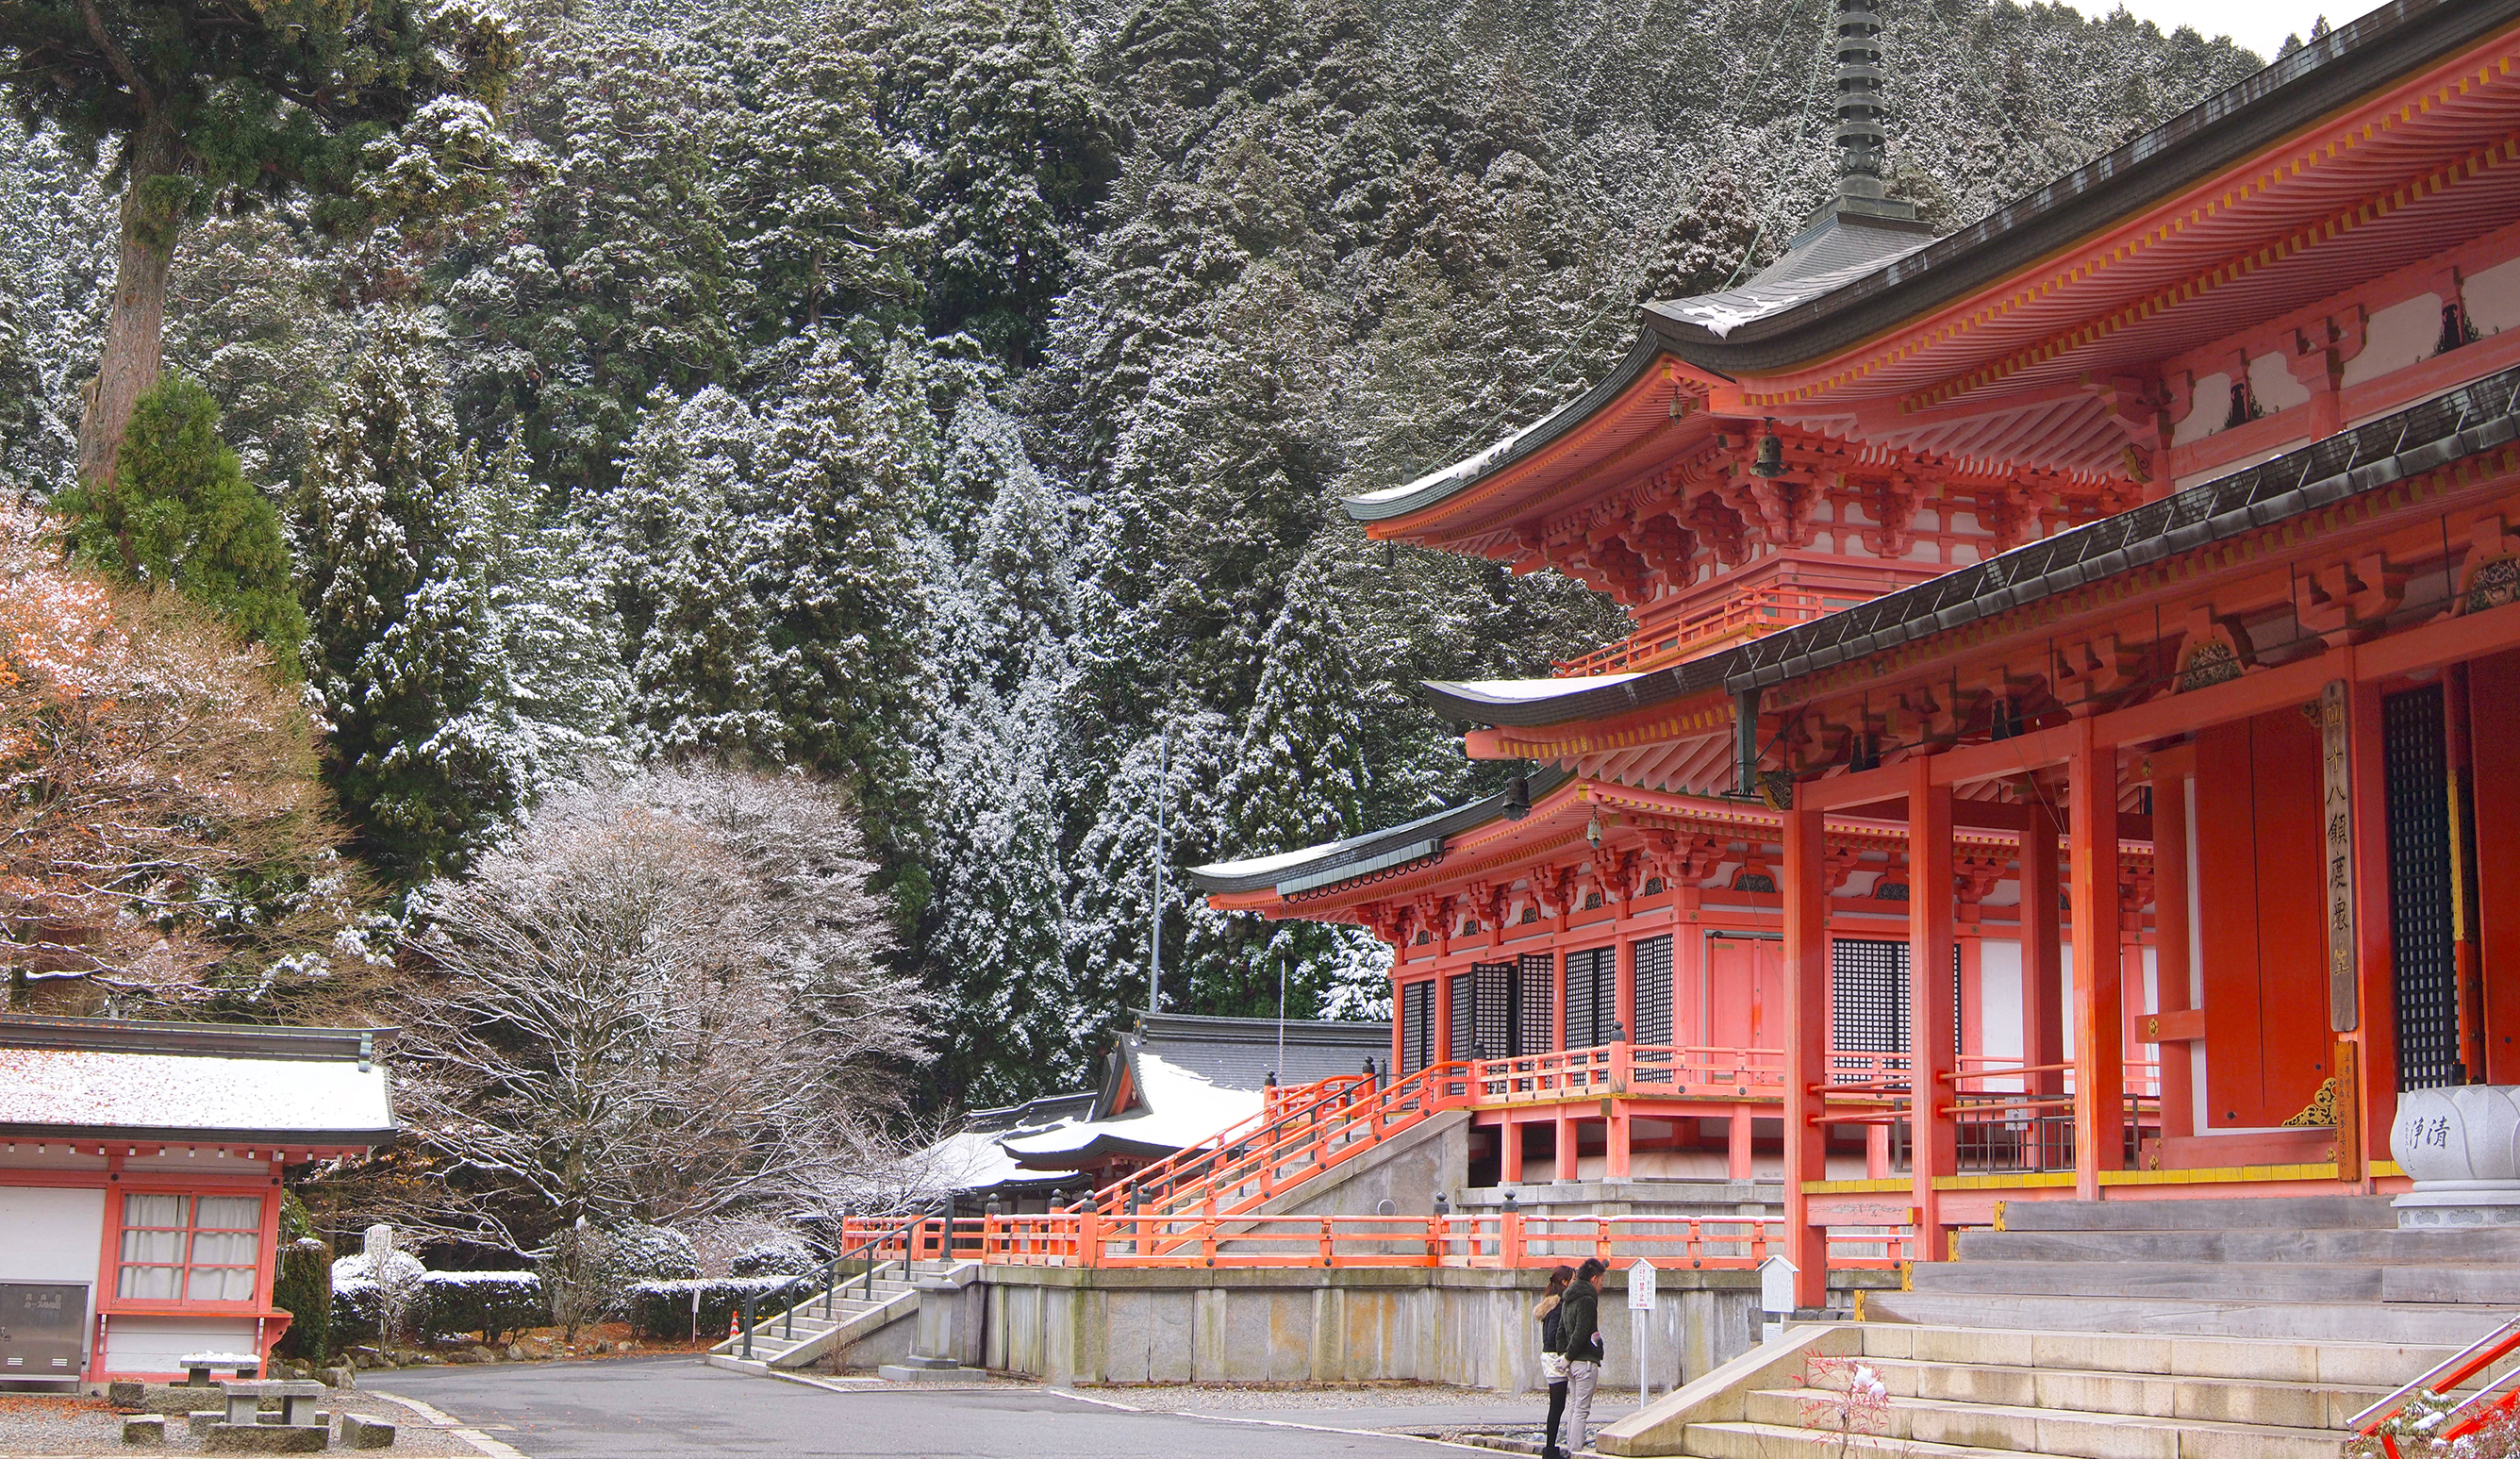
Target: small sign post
[(1775, 1295), (1641, 1298)]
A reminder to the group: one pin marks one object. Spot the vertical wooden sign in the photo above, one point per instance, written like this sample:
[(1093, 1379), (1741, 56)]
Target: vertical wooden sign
[(2344, 1011)]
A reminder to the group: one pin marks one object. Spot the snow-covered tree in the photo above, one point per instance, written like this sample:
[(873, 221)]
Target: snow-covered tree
[(399, 655), (662, 999)]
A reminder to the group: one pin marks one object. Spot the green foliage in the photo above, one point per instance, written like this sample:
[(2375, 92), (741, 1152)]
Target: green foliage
[(302, 1285), (399, 649), (180, 512)]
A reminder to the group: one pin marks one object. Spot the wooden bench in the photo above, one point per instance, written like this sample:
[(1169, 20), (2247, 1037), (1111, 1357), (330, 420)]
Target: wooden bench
[(298, 1400), (198, 1366)]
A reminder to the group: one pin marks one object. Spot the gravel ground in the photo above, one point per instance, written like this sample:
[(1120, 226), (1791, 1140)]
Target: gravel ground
[(38, 1426)]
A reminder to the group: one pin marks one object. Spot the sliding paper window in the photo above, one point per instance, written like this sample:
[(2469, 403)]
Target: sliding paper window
[(204, 1248)]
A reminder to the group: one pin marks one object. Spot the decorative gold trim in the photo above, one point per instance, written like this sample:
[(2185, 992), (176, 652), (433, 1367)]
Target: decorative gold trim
[(2321, 1112)]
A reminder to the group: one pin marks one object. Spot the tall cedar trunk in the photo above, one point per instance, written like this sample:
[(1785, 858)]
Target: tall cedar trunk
[(136, 325)]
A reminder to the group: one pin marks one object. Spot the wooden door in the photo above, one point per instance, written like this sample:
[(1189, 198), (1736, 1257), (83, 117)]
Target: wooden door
[(1745, 998)]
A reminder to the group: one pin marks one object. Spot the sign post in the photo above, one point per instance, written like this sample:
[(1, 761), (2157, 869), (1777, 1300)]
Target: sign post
[(1775, 1295), (1642, 1297)]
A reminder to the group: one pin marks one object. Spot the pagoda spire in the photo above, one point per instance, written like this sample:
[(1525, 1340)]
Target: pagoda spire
[(1863, 188)]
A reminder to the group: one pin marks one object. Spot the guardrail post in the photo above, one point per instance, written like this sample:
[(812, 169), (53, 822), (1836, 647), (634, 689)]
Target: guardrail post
[(743, 1321), (1088, 1237)]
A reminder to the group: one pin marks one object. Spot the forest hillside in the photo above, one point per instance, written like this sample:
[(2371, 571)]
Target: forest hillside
[(949, 402)]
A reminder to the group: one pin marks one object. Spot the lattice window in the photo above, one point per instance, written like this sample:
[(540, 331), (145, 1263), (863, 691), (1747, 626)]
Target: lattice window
[(1493, 1032), (1868, 995), (1592, 996), (1653, 886), (1416, 1026), (2415, 766), (1654, 991), (1465, 1031), (1535, 1013)]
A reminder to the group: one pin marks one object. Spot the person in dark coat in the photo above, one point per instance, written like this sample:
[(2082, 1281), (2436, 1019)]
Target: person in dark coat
[(1579, 1325), (1553, 1356)]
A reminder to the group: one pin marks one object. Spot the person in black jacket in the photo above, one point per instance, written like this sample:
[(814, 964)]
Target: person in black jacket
[(1553, 1357), (1579, 1325)]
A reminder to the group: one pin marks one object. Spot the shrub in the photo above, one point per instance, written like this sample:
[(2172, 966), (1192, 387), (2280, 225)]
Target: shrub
[(358, 1312), (302, 1286), (783, 1255), (663, 1309), (382, 1287), (497, 1304), (590, 1272)]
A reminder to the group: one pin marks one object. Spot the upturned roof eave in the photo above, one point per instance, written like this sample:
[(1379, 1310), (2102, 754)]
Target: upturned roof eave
[(2296, 92), (1362, 849)]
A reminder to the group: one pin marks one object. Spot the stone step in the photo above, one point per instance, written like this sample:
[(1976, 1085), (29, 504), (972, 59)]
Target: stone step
[(2316, 1362), (2265, 1281), (1747, 1441), (2280, 1401), (2359, 1245), (2281, 1212), (2070, 1433), (2413, 1323)]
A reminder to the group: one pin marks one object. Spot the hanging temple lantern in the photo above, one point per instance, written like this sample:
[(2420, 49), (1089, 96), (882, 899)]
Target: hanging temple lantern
[(1771, 460)]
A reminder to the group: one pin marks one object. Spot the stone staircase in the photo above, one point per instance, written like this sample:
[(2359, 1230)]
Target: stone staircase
[(2288, 1268), (828, 1322), (2214, 1329), (1992, 1394)]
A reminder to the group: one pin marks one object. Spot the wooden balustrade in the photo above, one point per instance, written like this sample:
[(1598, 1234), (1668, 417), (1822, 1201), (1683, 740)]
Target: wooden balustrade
[(1470, 1240)]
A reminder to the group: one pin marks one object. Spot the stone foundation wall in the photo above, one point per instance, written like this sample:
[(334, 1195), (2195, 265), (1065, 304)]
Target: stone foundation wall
[(1293, 1324)]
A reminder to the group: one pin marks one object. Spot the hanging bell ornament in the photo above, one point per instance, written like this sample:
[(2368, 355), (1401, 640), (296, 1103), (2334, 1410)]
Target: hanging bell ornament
[(1771, 460)]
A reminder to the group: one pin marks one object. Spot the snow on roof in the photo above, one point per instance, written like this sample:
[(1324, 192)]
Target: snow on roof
[(1178, 1110), (91, 1089), (1529, 691), (1469, 466), (977, 1160)]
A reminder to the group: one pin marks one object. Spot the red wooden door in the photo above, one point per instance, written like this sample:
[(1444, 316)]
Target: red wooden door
[(1745, 997)]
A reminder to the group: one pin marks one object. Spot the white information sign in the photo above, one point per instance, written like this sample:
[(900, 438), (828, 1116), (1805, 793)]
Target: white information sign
[(1640, 1286)]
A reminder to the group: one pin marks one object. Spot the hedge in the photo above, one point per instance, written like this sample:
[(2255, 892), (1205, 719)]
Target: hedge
[(497, 1304), (494, 1303), (663, 1309)]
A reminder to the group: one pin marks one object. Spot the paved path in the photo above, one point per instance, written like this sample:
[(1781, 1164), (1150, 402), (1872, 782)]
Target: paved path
[(668, 1408)]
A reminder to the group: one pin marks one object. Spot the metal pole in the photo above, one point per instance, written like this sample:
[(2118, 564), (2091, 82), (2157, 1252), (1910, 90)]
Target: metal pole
[(1155, 923), (1282, 1015)]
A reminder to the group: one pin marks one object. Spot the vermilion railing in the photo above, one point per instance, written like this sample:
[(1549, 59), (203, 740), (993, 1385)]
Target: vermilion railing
[(1751, 614), (1492, 1239)]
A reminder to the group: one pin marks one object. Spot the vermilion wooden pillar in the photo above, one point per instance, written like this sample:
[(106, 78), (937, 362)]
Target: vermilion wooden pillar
[(2377, 1059), (1565, 1144), (1805, 906), (2042, 955), (1509, 1152), (2173, 960), (1933, 1143), (2100, 1018), (1737, 1144)]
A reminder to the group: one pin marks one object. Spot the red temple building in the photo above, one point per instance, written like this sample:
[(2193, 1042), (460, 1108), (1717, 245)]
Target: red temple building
[(2055, 754)]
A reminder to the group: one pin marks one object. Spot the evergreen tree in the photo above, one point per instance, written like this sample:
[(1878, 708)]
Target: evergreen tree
[(381, 112), (400, 658), (678, 549), (180, 512)]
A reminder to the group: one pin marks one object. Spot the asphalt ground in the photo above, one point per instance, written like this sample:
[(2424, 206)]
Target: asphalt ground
[(668, 1408)]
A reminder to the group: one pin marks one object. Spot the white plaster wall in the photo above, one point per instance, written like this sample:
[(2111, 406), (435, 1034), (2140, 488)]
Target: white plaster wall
[(1999, 992), (2211, 405), (2274, 385), (155, 1344), (2493, 298), (50, 1235), (2394, 338)]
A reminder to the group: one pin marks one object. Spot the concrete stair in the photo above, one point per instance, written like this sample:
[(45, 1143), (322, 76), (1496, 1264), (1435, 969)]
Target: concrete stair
[(1981, 1393), (2291, 1268), (822, 1324)]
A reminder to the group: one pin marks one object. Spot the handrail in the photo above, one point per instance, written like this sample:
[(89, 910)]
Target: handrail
[(2445, 1376), (905, 1234)]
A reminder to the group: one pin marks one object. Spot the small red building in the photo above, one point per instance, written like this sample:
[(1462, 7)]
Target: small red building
[(140, 1184), (2055, 752)]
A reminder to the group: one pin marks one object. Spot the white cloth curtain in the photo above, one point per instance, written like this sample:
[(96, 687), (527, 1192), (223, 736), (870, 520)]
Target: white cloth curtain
[(226, 1245), (153, 1259)]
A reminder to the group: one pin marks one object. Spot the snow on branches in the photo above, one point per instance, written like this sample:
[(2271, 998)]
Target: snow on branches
[(662, 999)]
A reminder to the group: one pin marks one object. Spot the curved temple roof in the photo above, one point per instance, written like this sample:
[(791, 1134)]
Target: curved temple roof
[(1853, 278), (1315, 868)]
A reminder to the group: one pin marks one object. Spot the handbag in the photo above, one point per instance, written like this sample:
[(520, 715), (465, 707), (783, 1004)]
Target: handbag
[(1553, 1366)]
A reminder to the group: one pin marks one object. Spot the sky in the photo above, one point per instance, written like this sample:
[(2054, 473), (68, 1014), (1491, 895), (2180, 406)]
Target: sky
[(2259, 24)]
